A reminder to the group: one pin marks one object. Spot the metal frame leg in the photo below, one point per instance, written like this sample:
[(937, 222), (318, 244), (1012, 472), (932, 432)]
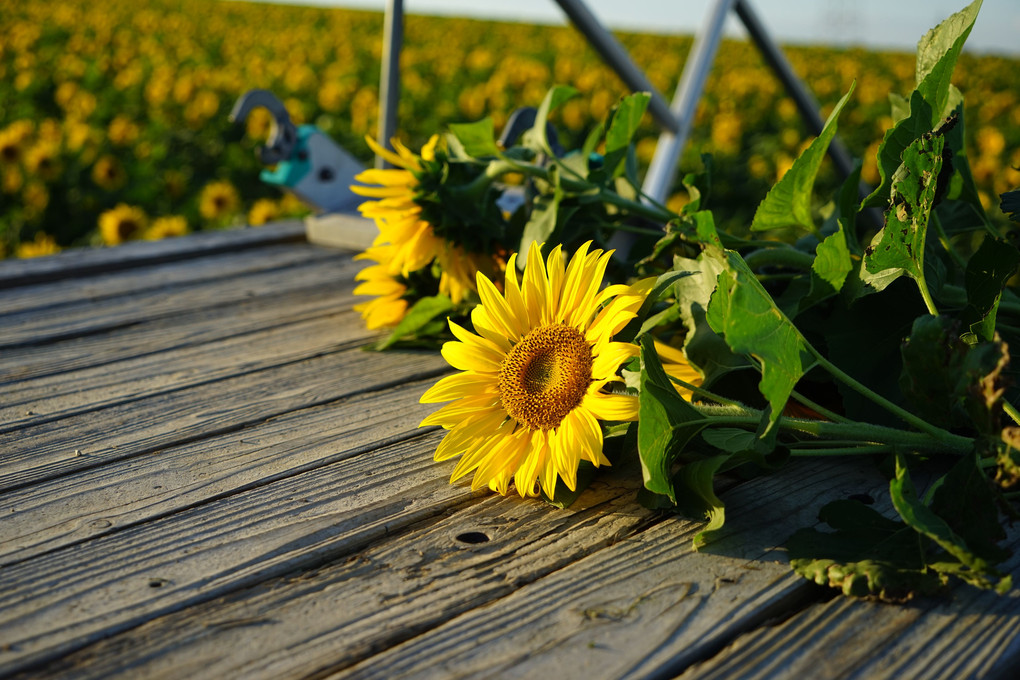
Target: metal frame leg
[(389, 85)]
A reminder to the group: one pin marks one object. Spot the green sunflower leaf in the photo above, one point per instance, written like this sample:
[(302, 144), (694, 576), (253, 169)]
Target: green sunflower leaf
[(747, 317), (625, 122), (666, 423), (695, 495), (899, 247), (974, 568), (868, 554), (421, 314), (478, 138), (554, 98), (1009, 203), (788, 203), (833, 261), (937, 54), (987, 272)]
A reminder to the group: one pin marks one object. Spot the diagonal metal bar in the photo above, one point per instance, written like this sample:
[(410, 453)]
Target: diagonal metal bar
[(662, 170), (389, 84), (616, 57)]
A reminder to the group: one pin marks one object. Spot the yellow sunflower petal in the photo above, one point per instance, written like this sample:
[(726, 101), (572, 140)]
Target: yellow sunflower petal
[(388, 155), (466, 357), (498, 310), (450, 387), (611, 406), (611, 355)]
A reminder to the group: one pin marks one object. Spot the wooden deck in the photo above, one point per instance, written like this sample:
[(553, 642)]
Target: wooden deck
[(204, 475)]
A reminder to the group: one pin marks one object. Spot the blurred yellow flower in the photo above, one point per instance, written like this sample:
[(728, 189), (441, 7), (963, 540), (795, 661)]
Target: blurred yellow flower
[(42, 245), (109, 174), (165, 227), (123, 223), (42, 161), (11, 144), (35, 198), (122, 131), (219, 200), (264, 210)]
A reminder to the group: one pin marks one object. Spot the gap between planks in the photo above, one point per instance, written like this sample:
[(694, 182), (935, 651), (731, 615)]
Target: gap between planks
[(87, 261), (38, 327), (578, 585), (49, 450)]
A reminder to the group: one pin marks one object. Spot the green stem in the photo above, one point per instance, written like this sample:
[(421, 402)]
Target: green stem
[(926, 295), (869, 450), (866, 433), (906, 416), (819, 409), (779, 257)]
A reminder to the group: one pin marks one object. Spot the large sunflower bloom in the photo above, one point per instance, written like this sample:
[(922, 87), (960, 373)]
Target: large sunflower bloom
[(399, 219), (531, 392)]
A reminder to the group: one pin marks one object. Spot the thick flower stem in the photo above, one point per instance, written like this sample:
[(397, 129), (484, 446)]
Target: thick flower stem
[(901, 413), (844, 432)]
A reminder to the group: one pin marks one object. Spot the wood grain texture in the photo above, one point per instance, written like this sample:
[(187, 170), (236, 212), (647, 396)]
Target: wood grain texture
[(601, 590), (65, 599), (965, 633), (37, 453), (190, 328), (69, 393), (303, 625), (67, 293), (34, 327), (105, 499), (644, 608), (86, 261)]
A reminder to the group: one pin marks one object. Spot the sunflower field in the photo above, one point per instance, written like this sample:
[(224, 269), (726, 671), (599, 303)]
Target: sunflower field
[(113, 115)]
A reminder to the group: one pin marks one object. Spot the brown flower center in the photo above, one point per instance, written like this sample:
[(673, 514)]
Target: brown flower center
[(545, 376)]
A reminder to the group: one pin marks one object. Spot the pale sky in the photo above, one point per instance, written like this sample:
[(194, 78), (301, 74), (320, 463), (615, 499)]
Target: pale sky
[(874, 23)]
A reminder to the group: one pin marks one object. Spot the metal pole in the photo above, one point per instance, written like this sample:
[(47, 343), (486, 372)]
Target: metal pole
[(389, 79), (662, 170), (617, 58), (806, 103)]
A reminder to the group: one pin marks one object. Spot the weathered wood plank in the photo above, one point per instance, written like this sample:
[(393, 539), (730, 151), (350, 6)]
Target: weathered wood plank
[(98, 501), (67, 293), (69, 393), (68, 598), (965, 634), (87, 261), (187, 329), (51, 324), (46, 451), (429, 566), (647, 607), (587, 592)]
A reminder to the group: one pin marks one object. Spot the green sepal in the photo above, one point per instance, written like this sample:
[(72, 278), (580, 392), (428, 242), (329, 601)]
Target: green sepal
[(421, 314)]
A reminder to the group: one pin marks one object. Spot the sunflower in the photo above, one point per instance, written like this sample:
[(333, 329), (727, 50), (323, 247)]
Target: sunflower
[(44, 244), (166, 227), (123, 223), (219, 200), (264, 210), (108, 173), (389, 305), (398, 215), (532, 390)]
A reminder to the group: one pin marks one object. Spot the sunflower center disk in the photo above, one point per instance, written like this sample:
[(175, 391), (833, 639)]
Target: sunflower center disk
[(545, 376)]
